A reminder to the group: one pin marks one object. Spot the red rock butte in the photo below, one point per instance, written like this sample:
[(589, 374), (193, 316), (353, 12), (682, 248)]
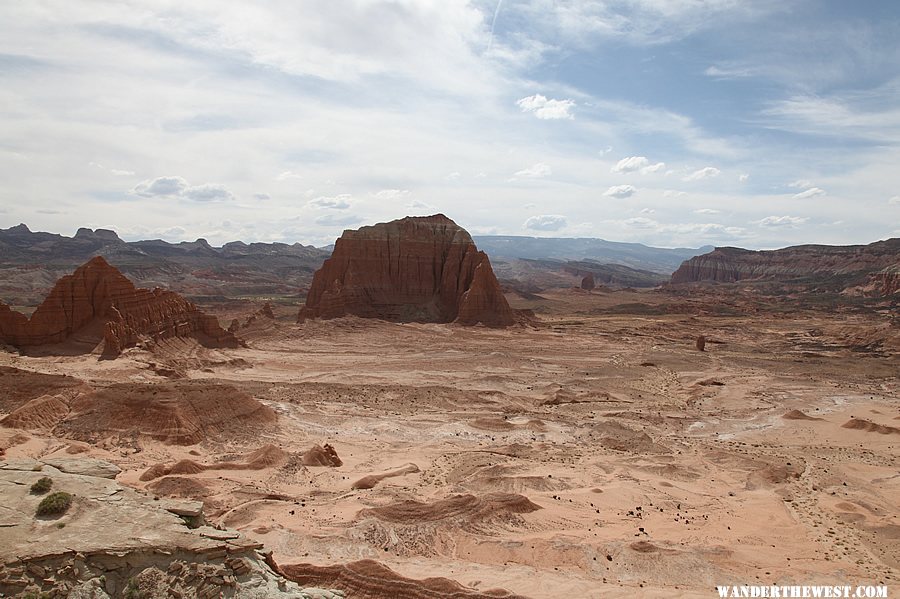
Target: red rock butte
[(97, 301), (415, 269)]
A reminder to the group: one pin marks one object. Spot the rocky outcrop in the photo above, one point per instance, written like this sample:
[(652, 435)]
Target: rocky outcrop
[(587, 283), (419, 269), (98, 297), (826, 267)]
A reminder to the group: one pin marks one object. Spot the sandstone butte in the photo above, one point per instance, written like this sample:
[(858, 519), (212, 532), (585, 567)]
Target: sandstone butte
[(98, 300), (415, 269)]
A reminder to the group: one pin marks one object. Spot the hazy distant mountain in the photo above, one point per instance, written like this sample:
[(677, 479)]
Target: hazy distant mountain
[(30, 263), (633, 255)]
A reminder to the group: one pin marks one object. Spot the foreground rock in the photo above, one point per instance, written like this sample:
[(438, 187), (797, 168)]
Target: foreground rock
[(419, 269), (97, 304), (115, 542)]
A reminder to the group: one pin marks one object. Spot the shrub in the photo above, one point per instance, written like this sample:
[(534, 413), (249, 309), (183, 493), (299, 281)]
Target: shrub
[(54, 503), (42, 485)]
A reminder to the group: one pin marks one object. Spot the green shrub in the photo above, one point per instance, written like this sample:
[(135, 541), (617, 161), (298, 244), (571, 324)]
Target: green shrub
[(54, 503), (42, 485)]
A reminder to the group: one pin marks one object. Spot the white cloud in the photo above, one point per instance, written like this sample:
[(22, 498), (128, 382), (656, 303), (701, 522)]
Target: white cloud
[(161, 186), (339, 202), (773, 222), (809, 193), (743, 177), (647, 211), (208, 192), (454, 176), (535, 171), (178, 187), (620, 191), (707, 172), (121, 173), (546, 222), (707, 211), (261, 196), (547, 109), (288, 175), (800, 184), (894, 200), (637, 163), (391, 194), (672, 193)]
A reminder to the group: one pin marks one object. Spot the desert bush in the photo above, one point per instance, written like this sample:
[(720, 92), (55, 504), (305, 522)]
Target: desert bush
[(55, 503), (42, 485)]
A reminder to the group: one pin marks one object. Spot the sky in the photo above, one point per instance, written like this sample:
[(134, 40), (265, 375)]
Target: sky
[(674, 123)]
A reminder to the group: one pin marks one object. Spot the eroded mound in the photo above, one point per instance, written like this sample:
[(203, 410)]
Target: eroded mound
[(41, 413), (17, 386), (369, 482), (370, 579), (860, 424), (178, 413), (317, 455), (266, 456), (467, 507), (798, 415)]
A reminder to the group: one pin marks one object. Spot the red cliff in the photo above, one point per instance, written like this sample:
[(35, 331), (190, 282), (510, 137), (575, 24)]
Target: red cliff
[(98, 297), (420, 269)]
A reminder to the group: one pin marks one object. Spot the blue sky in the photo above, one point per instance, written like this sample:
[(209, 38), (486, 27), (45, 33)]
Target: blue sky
[(671, 123)]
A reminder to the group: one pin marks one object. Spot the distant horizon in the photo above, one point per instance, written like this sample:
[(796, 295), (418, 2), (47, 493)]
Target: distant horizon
[(475, 236)]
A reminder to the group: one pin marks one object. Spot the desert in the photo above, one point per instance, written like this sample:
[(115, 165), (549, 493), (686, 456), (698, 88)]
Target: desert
[(591, 448)]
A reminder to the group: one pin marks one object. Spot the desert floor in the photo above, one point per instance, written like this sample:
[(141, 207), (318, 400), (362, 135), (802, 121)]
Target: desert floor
[(596, 454)]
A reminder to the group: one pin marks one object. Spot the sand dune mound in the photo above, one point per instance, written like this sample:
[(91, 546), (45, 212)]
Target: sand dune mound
[(178, 413), (319, 455), (17, 386), (370, 579), (369, 482), (798, 415), (179, 486), (860, 424), (267, 456), (41, 413), (468, 508)]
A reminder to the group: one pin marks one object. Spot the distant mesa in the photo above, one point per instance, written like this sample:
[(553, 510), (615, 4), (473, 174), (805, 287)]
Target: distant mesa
[(98, 305), (872, 269), (415, 269)]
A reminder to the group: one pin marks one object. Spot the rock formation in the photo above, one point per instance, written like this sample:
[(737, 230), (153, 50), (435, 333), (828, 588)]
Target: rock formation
[(587, 283), (318, 455), (701, 343), (822, 266), (99, 299), (420, 269)]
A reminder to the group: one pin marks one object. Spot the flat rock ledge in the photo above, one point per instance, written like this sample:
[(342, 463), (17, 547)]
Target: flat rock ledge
[(116, 542)]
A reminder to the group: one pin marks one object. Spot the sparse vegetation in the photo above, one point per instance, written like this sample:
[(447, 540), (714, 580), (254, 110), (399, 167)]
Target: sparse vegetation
[(42, 485), (55, 503)]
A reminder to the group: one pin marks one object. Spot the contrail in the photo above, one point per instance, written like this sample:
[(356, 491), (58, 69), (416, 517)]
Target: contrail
[(493, 23)]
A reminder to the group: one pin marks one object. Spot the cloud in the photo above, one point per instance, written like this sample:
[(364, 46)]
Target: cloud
[(620, 191), (339, 202), (547, 109), (535, 171), (809, 193), (178, 187), (208, 192), (161, 186), (288, 175), (773, 222), (800, 184), (743, 177), (707, 211), (337, 220), (647, 211), (894, 200), (391, 194), (454, 176), (707, 172), (672, 193), (637, 163), (261, 196), (121, 173), (546, 222)]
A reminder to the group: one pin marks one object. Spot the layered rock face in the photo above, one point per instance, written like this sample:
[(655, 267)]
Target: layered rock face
[(420, 269), (830, 266), (98, 295)]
